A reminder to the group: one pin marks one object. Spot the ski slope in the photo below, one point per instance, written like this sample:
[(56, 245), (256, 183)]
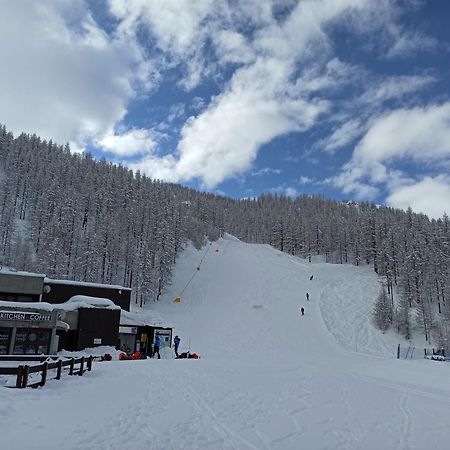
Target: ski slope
[(268, 378)]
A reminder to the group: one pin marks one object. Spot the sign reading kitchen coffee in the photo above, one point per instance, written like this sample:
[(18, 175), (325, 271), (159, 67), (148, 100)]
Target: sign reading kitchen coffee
[(18, 315)]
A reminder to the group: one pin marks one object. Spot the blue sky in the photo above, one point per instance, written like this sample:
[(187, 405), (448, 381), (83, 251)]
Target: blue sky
[(343, 98)]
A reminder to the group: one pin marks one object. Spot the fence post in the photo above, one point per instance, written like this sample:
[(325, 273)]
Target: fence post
[(89, 363), (72, 362), (19, 377), (25, 373), (398, 351), (407, 352), (59, 369), (44, 374), (81, 367)]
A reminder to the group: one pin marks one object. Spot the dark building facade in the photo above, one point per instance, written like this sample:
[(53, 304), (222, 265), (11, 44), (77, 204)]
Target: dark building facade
[(60, 291), (97, 327)]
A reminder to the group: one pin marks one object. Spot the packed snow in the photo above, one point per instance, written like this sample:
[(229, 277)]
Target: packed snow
[(267, 378)]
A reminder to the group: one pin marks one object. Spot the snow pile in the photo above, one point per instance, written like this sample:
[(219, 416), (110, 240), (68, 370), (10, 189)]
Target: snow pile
[(101, 350), (85, 301)]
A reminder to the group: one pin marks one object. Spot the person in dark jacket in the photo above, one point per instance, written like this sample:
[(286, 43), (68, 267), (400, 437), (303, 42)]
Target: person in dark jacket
[(307, 296), (156, 347), (302, 311), (176, 343), (311, 277)]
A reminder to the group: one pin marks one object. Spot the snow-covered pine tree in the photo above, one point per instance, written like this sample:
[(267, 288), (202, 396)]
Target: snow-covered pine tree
[(382, 313)]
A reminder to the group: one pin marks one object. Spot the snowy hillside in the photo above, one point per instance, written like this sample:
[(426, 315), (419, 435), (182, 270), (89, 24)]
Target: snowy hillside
[(268, 378)]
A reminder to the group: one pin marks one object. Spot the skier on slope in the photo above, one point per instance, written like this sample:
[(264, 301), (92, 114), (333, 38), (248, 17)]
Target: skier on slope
[(307, 296), (302, 310), (311, 277)]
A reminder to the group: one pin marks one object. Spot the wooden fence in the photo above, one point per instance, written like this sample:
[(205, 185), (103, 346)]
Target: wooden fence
[(22, 372)]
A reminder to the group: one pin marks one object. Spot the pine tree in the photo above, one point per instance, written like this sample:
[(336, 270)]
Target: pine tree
[(382, 313)]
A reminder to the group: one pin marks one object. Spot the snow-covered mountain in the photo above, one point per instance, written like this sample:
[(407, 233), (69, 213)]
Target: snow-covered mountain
[(268, 378)]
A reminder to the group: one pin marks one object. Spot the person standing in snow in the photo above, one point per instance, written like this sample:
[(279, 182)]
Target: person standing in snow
[(176, 343), (302, 311), (156, 347), (307, 296), (311, 277)]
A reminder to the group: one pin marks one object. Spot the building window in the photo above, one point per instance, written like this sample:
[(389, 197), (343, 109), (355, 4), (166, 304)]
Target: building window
[(18, 298), (5, 335), (32, 341)]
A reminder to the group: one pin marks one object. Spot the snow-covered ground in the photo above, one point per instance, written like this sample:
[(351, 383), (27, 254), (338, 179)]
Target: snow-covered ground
[(268, 378)]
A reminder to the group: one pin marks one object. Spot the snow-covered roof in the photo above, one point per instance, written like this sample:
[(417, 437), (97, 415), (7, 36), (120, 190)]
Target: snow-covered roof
[(41, 306), (133, 319), (11, 271), (76, 302), (84, 301), (83, 283)]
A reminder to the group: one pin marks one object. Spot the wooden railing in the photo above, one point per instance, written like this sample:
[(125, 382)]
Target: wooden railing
[(22, 372)]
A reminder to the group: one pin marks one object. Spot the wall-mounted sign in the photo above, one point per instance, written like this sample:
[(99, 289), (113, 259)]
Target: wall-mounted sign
[(97, 341), (128, 330), (19, 315)]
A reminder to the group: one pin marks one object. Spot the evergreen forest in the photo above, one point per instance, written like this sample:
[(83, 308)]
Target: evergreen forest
[(73, 217)]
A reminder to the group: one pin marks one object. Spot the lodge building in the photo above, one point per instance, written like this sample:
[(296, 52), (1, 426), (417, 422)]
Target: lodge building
[(39, 315)]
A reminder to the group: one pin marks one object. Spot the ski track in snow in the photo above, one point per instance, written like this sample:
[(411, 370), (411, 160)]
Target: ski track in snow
[(268, 378)]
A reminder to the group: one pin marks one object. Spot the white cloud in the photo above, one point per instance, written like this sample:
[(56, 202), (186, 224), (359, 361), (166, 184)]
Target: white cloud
[(160, 168), (349, 183), (69, 80), (286, 190), (179, 29), (62, 76), (305, 180), (409, 43), (266, 171), (419, 136), (396, 87), (430, 196), (232, 47), (225, 138), (422, 134), (263, 99), (132, 142), (176, 24), (291, 192), (383, 29), (342, 135)]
